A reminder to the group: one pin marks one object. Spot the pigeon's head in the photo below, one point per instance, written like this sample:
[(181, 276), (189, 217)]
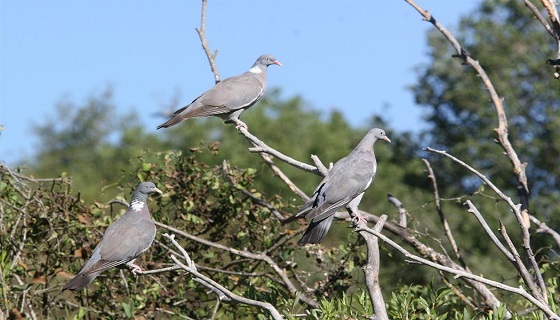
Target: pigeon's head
[(379, 134), (147, 187), (266, 60)]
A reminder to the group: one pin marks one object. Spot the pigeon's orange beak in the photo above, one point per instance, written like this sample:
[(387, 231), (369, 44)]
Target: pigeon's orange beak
[(277, 63), (387, 139)]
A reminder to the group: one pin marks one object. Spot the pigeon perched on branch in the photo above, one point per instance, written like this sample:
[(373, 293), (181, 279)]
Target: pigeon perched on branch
[(228, 98), (346, 180), (123, 241)]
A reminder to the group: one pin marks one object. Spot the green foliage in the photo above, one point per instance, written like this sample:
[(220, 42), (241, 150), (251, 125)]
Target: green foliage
[(425, 302)]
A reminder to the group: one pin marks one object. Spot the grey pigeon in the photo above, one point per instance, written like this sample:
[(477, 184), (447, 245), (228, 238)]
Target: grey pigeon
[(346, 180), (123, 241), (228, 98)]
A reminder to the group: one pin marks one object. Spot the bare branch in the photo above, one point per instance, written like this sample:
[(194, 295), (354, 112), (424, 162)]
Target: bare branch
[(442, 218), (541, 18), (515, 208), (464, 274), (518, 263), (402, 210), (254, 256), (472, 209), (543, 228), (223, 293), (261, 147), (320, 166), (502, 131), (202, 35), (489, 299), (371, 269)]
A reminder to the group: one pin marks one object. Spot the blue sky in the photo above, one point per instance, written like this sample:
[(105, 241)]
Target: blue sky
[(354, 56)]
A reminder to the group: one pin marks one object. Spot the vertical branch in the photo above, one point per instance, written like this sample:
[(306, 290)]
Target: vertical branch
[(522, 270), (402, 210), (202, 35), (371, 269), (442, 218)]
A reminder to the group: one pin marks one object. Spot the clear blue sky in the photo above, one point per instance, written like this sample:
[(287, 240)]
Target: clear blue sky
[(355, 56)]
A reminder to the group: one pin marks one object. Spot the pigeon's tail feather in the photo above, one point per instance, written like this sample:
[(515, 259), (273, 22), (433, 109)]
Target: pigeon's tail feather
[(80, 281), (171, 122), (316, 231)]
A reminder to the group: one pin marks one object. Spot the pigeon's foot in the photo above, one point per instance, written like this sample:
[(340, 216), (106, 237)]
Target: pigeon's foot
[(357, 218), (243, 125), (239, 124), (135, 268)]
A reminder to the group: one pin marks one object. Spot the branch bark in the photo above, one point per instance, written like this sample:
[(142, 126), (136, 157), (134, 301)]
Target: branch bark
[(371, 269), (464, 274), (442, 218), (526, 238), (254, 256), (223, 293)]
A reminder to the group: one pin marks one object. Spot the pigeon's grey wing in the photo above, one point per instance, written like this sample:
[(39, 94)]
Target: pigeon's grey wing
[(348, 178), (124, 243), (227, 96)]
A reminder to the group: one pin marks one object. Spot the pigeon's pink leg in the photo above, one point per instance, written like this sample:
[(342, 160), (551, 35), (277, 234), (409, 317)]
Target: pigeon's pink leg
[(240, 124), (135, 268)]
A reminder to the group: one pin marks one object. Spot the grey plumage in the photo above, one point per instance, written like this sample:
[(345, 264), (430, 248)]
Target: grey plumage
[(345, 181), (123, 241), (228, 98)]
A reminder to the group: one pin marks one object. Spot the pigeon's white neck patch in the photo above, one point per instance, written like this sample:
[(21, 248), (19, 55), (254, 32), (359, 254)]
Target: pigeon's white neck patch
[(255, 69), (136, 205)]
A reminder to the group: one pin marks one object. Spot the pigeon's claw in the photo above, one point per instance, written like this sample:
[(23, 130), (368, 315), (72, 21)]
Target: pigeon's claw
[(240, 124), (134, 268), (357, 218)]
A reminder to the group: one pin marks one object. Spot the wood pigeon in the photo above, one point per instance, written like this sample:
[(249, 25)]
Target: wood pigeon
[(228, 98), (123, 241), (346, 180)]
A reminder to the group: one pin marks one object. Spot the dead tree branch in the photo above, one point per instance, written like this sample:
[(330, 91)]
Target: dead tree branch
[(223, 293), (526, 238), (442, 218), (464, 274), (202, 35), (254, 256), (502, 130)]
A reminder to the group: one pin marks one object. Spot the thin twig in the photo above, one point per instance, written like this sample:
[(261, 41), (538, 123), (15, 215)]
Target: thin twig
[(263, 203), (526, 237), (459, 273), (443, 220), (254, 256), (521, 267), (202, 35), (543, 228), (472, 209), (222, 292), (402, 210)]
